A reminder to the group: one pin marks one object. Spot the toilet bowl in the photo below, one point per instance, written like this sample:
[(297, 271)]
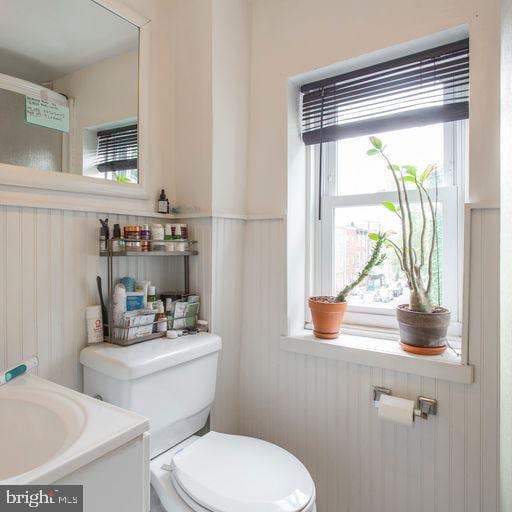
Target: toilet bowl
[(220, 472), (172, 382)]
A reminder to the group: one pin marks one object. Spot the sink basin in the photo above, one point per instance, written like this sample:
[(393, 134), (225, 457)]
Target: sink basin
[(47, 431), (35, 427)]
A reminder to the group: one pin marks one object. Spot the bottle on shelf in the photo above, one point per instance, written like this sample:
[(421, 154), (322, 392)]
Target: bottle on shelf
[(151, 296), (118, 244), (161, 325), (163, 203)]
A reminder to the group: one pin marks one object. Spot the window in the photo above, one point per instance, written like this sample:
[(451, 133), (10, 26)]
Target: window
[(117, 153), (418, 106)]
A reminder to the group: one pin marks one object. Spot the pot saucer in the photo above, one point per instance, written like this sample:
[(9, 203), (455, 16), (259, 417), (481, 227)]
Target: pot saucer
[(422, 351)]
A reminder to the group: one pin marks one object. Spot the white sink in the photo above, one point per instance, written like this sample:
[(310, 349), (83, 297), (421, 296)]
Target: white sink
[(48, 431), (36, 426)]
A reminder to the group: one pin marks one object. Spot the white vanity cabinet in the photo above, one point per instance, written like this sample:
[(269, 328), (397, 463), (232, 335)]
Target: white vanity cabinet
[(116, 481)]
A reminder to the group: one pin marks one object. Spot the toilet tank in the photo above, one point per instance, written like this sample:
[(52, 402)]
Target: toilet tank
[(171, 382)]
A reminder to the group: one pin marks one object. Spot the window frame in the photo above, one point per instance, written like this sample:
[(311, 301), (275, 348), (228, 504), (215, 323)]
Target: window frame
[(320, 235)]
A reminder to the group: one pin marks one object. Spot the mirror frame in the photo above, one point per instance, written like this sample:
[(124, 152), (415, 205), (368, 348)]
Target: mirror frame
[(18, 176)]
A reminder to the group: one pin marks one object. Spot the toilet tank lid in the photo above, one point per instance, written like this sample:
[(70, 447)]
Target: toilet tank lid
[(134, 361)]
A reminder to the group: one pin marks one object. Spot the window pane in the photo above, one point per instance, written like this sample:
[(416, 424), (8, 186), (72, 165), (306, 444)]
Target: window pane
[(358, 173), (386, 286)]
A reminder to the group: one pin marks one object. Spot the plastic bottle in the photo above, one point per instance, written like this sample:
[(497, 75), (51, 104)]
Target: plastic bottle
[(118, 308), (151, 296)]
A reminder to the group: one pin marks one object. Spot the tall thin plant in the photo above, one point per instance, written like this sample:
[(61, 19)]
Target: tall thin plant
[(376, 259), (414, 254)]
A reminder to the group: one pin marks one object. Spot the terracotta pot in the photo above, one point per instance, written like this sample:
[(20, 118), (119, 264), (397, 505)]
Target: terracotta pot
[(422, 333), (327, 317)]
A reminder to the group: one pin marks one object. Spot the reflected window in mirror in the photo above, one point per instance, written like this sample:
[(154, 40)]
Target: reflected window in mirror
[(69, 89), (113, 153)]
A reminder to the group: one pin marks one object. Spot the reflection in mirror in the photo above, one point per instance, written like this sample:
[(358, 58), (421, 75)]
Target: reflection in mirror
[(69, 88)]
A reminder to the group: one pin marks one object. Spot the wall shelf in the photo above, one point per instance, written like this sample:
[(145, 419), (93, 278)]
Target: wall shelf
[(106, 254), (111, 256)]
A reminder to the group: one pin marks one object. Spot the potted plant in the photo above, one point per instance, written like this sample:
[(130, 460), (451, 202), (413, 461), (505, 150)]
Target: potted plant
[(327, 311), (423, 325)]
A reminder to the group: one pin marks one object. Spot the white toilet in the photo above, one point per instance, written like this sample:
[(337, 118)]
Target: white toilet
[(172, 382)]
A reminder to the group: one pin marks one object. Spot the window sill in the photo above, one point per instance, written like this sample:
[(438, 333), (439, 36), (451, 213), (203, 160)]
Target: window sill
[(380, 353)]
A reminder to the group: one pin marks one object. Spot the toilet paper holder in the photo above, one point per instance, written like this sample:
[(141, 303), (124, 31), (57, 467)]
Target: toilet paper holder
[(424, 407), (378, 391)]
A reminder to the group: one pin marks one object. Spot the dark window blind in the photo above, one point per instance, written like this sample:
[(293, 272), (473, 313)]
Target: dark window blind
[(117, 149), (424, 88)]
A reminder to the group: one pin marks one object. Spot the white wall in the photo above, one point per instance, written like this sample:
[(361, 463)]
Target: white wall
[(188, 151), (506, 250), (210, 90), (104, 92), (319, 409), (231, 23), (293, 37)]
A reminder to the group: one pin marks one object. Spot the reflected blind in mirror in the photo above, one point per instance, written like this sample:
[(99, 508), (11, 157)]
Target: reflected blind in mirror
[(117, 149)]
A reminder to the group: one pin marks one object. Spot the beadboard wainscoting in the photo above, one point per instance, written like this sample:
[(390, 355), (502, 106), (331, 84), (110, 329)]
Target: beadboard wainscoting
[(321, 409), (48, 267), (226, 318)]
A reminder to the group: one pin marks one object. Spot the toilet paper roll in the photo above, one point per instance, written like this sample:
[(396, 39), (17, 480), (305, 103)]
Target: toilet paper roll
[(396, 410)]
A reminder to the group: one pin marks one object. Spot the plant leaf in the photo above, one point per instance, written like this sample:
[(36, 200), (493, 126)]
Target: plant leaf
[(425, 175), (376, 142), (372, 152), (390, 206), (393, 167), (373, 236), (412, 179), (410, 170)]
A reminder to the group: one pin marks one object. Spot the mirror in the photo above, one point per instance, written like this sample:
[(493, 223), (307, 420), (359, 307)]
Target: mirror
[(69, 89)]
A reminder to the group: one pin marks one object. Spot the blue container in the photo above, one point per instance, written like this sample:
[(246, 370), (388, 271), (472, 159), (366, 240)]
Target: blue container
[(129, 283)]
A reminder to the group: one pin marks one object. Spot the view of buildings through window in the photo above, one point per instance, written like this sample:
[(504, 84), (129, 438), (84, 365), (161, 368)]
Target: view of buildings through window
[(365, 178)]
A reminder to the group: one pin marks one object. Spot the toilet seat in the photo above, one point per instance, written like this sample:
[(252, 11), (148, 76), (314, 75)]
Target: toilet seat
[(196, 507), (225, 473)]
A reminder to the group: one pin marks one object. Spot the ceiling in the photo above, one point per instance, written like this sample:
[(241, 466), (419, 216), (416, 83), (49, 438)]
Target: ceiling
[(42, 40)]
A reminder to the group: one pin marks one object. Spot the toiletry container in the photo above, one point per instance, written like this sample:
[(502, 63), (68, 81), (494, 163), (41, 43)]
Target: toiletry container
[(151, 296), (118, 244), (172, 382), (94, 324), (163, 203), (202, 325), (118, 307), (157, 237)]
